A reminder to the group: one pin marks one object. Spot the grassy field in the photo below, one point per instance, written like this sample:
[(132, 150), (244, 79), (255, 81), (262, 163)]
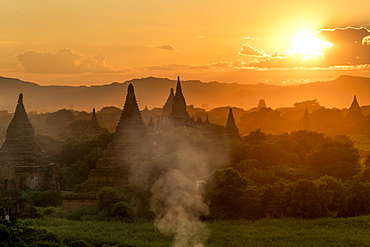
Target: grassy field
[(266, 232)]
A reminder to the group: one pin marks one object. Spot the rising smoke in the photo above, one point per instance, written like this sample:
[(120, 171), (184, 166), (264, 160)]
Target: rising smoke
[(183, 158)]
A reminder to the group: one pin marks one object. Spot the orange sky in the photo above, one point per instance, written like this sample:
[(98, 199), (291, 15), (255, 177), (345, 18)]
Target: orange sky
[(85, 42)]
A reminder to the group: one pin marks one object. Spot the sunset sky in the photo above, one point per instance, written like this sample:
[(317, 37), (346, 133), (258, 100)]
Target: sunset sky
[(89, 42)]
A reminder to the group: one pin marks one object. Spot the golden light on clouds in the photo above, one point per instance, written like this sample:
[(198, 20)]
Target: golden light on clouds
[(99, 42), (308, 45)]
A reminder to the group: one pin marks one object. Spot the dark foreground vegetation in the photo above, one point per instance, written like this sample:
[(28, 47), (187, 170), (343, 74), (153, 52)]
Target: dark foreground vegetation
[(266, 232)]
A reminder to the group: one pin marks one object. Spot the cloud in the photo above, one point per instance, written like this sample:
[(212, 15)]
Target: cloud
[(64, 61), (350, 45), (278, 54), (248, 50), (167, 47), (177, 67), (351, 48), (9, 42)]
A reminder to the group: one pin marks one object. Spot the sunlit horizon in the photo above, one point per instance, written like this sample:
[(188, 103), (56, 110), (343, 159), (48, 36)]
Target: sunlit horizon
[(75, 43)]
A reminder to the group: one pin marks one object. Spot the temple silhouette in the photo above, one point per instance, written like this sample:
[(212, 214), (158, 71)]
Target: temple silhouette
[(355, 120), (23, 165), (94, 127), (130, 147)]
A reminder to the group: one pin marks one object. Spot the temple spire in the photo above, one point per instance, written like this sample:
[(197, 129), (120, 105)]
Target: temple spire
[(179, 113), (167, 108), (355, 120), (129, 148), (94, 126), (306, 119), (230, 130), (178, 87), (354, 111), (20, 135), (354, 104)]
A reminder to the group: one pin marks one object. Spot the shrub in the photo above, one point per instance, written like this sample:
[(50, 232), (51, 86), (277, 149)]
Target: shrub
[(79, 243), (52, 237), (121, 209), (80, 213), (46, 198), (107, 196)]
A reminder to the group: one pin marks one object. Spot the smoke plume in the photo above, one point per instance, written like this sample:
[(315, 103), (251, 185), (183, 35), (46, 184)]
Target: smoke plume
[(174, 179)]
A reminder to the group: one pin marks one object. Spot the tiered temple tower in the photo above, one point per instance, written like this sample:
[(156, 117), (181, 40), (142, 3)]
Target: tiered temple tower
[(129, 148), (355, 113), (179, 115), (167, 108), (23, 163), (230, 130), (94, 126), (306, 121), (355, 120)]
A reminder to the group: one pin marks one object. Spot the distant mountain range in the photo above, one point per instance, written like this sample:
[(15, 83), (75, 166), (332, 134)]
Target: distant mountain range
[(153, 92)]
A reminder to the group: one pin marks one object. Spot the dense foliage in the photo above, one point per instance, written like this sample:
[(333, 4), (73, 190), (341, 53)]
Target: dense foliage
[(15, 234), (301, 174)]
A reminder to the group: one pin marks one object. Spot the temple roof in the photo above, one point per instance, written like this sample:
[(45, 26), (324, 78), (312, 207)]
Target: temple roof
[(20, 136), (230, 129), (355, 112), (306, 113), (94, 126), (167, 108), (179, 104), (131, 128)]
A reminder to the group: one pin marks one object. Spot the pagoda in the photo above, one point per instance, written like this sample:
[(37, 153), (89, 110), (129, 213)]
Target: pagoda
[(230, 130), (179, 115), (355, 119), (94, 126), (23, 163), (306, 121), (167, 108), (128, 149)]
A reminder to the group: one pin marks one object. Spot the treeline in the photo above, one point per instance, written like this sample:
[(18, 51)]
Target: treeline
[(299, 174), (66, 122)]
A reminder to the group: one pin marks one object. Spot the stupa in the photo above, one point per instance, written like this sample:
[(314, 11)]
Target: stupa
[(129, 148)]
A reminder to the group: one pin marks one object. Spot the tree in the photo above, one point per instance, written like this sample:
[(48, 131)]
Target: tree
[(107, 196), (306, 199), (230, 197), (334, 188), (46, 198), (59, 122), (365, 176), (336, 159), (356, 199), (256, 137)]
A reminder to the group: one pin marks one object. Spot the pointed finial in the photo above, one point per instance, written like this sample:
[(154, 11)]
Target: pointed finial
[(178, 86), (130, 88), (93, 110), (20, 98)]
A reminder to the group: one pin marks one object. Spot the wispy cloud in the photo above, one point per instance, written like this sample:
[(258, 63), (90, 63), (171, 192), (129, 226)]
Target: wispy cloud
[(64, 61), (167, 47), (248, 50)]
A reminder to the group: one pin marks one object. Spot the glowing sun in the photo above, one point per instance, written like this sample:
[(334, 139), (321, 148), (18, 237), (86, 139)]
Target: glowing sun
[(308, 45)]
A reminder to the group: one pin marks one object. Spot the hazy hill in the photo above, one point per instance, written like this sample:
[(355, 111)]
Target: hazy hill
[(153, 92)]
